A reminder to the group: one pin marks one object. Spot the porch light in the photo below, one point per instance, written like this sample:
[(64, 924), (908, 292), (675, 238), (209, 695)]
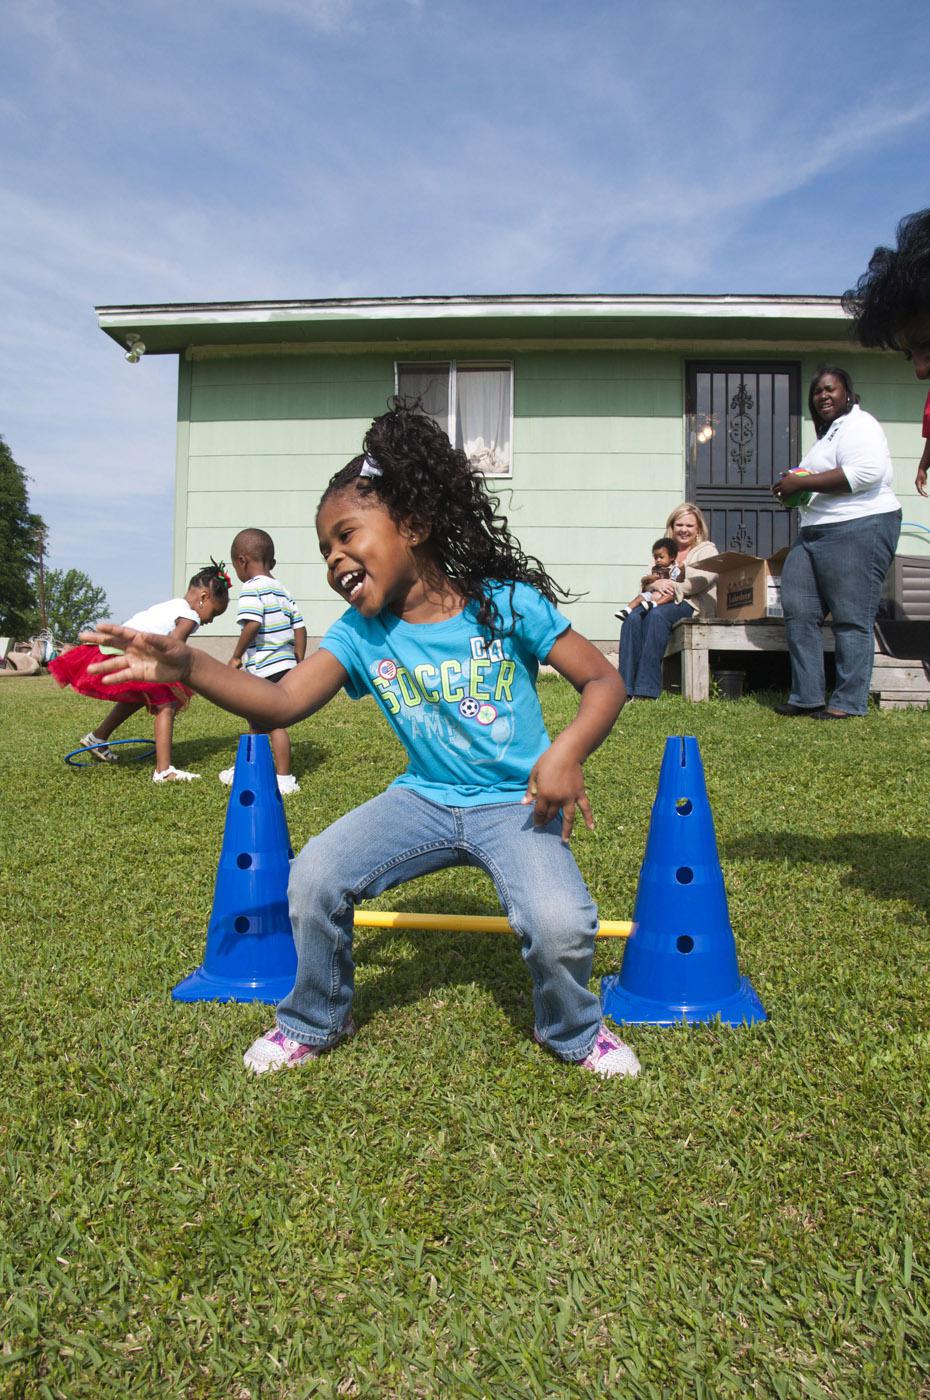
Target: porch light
[(135, 348)]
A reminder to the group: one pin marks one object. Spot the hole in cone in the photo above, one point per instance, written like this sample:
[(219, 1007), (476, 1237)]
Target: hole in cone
[(246, 797), (684, 875), (684, 943), (684, 806), (244, 860)]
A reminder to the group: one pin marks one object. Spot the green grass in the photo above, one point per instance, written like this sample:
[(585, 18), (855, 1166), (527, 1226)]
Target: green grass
[(440, 1208)]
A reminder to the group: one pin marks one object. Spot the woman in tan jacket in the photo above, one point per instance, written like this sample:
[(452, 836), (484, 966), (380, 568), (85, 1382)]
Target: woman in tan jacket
[(644, 635)]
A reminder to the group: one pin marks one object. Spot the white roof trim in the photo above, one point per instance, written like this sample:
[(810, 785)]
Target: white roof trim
[(436, 308)]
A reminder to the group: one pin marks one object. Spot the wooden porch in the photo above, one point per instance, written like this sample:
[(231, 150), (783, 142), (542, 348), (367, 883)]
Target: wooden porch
[(896, 683)]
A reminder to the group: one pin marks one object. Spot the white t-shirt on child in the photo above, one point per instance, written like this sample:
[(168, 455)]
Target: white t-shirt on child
[(160, 618)]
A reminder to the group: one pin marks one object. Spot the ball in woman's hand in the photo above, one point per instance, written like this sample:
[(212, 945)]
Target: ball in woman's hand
[(798, 498)]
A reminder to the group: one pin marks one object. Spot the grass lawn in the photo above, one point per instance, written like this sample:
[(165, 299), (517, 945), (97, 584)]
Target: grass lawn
[(440, 1208)]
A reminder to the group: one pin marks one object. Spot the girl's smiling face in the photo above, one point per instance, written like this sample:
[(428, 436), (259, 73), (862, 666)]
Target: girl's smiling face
[(370, 560)]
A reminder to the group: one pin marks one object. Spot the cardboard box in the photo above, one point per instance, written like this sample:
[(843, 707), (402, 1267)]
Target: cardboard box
[(748, 587)]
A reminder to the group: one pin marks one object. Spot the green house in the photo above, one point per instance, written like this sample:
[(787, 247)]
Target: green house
[(593, 416)]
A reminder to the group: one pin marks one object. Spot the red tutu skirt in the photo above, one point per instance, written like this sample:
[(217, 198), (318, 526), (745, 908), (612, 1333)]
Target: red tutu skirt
[(71, 669)]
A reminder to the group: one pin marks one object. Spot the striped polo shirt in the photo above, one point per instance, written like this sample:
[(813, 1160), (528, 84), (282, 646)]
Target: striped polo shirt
[(266, 601)]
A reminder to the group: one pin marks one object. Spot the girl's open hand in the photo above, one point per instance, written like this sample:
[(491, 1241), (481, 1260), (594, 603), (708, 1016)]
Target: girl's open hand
[(555, 783), (145, 656)]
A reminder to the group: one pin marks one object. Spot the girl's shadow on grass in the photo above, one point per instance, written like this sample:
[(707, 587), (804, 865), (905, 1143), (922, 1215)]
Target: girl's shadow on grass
[(883, 865), (390, 976)]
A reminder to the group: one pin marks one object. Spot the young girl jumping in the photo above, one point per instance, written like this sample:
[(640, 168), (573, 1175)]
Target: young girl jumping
[(447, 623), (207, 597)]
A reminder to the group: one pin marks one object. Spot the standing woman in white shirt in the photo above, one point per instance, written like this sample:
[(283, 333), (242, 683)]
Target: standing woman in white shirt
[(847, 540)]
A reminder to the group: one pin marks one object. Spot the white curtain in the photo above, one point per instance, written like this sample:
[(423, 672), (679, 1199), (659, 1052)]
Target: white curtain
[(483, 418)]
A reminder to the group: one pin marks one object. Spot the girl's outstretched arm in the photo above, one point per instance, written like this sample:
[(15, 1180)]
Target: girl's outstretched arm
[(557, 780), (147, 657)]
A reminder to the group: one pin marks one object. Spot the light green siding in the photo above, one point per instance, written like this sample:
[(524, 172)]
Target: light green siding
[(598, 457)]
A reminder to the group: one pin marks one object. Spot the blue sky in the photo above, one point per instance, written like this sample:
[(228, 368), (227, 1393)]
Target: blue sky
[(239, 149)]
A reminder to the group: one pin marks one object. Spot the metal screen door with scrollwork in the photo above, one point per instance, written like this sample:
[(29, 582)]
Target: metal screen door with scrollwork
[(743, 431)]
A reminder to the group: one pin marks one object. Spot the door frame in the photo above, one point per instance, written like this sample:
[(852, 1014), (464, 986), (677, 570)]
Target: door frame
[(693, 366)]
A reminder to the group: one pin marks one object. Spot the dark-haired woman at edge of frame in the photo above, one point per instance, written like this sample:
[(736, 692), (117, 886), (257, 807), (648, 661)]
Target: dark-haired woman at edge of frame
[(890, 307), (847, 539)]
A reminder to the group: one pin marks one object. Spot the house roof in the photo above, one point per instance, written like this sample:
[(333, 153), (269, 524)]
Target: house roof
[(177, 328)]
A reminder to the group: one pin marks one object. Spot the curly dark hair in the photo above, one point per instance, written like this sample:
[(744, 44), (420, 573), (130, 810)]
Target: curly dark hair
[(820, 427), (896, 287), (214, 577), (418, 475), (669, 544)]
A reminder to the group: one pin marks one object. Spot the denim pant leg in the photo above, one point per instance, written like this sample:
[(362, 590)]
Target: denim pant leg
[(631, 647), (549, 906), (804, 614), (850, 562), (395, 837), (641, 657)]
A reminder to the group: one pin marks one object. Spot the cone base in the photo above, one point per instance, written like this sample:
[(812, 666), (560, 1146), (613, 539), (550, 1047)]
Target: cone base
[(200, 986), (742, 1007)]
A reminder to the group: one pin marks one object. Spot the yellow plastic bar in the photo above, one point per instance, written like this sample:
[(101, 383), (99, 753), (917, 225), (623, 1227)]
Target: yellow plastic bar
[(465, 923)]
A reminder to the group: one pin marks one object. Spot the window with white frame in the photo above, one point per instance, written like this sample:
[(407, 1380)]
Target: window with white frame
[(471, 401)]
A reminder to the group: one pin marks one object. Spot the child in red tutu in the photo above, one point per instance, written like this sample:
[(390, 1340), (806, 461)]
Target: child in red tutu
[(207, 597)]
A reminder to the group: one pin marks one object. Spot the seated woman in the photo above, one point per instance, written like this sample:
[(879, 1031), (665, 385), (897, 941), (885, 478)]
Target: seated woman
[(644, 635)]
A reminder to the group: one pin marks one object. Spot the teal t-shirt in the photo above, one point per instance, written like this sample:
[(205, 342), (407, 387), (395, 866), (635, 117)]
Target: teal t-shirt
[(464, 707)]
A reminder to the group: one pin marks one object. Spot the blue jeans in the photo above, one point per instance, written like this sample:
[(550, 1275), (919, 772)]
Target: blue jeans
[(643, 639), (400, 836), (837, 569)]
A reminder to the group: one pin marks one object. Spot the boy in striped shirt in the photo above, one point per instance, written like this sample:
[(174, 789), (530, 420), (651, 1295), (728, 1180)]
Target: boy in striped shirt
[(272, 635)]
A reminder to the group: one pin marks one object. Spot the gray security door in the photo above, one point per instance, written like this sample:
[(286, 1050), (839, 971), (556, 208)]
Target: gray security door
[(743, 431)]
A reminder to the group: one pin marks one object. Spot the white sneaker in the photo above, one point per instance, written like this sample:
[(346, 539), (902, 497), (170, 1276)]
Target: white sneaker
[(173, 775), (286, 783), (274, 1050), (608, 1056), (227, 776)]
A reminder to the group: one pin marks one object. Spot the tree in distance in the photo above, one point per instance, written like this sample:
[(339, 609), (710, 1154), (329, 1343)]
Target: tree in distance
[(19, 534), (72, 602)]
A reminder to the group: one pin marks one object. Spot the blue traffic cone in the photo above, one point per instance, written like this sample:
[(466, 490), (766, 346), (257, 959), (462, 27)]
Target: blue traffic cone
[(680, 959), (250, 953)]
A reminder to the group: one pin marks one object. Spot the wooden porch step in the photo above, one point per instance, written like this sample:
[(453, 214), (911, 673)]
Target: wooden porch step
[(896, 684)]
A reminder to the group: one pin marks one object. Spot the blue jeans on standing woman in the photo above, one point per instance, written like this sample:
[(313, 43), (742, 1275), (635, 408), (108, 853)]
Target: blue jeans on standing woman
[(643, 639), (837, 569), (400, 836)]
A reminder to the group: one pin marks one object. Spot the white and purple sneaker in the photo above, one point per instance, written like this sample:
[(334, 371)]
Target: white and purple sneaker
[(608, 1055), (274, 1050)]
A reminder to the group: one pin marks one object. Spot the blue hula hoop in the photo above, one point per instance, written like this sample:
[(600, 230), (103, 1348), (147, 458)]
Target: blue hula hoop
[(73, 759)]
